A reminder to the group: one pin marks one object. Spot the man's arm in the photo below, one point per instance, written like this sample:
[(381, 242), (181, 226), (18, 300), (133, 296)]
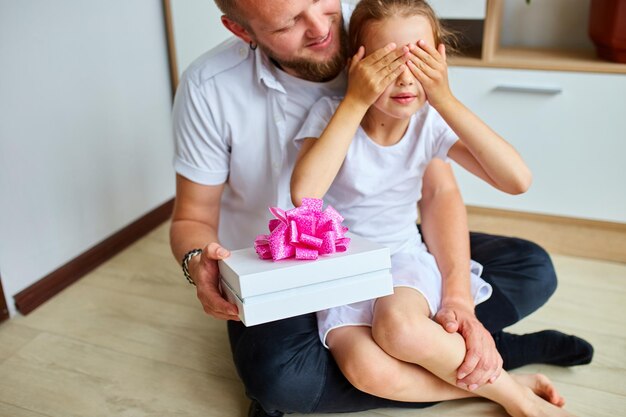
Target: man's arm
[(194, 225), (445, 231)]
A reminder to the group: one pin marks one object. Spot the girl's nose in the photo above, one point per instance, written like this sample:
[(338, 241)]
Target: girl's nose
[(406, 78)]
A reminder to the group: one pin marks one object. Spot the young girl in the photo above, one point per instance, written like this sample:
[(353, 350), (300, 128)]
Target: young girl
[(366, 154)]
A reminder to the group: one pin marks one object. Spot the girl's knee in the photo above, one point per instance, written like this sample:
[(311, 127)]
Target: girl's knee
[(369, 375), (400, 336)]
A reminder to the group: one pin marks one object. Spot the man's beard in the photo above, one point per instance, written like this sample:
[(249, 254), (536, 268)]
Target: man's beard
[(312, 70)]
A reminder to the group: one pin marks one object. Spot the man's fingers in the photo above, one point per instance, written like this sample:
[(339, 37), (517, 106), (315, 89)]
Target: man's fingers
[(486, 371), (225, 317), (207, 284), (468, 365), (447, 320), (474, 344), (215, 304), (494, 377), (451, 326), (480, 346), (222, 309), (478, 378), (222, 316), (215, 252)]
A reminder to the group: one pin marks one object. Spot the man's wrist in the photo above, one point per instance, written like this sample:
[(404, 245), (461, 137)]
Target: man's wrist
[(459, 301), (189, 262)]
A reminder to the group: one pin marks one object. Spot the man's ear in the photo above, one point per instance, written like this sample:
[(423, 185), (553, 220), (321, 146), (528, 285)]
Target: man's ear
[(237, 30)]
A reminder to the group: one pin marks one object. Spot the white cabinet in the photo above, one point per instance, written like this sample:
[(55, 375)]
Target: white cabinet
[(570, 128)]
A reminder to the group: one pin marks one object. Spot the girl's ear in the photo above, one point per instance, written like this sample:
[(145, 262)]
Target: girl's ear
[(236, 29)]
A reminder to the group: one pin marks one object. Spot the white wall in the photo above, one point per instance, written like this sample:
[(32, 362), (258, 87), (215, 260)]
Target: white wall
[(197, 28), (85, 131)]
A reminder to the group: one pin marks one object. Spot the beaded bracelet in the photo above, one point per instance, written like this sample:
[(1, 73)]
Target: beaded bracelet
[(185, 264)]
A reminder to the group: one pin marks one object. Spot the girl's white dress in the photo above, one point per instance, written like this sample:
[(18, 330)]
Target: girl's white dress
[(377, 190)]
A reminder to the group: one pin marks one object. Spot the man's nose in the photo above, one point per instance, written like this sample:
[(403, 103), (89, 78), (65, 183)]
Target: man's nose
[(317, 25)]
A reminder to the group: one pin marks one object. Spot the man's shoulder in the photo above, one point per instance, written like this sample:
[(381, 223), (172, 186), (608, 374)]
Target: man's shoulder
[(225, 56), (327, 104)]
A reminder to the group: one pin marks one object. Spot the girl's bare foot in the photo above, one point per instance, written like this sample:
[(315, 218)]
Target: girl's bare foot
[(542, 398), (536, 406), (541, 386)]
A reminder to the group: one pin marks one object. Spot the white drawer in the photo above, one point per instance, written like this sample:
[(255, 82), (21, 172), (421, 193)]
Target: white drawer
[(569, 127)]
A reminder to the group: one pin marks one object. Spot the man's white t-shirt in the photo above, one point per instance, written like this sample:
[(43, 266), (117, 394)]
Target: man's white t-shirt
[(234, 117), (301, 96)]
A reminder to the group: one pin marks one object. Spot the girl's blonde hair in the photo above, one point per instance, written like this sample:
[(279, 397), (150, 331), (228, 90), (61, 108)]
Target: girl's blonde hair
[(368, 11)]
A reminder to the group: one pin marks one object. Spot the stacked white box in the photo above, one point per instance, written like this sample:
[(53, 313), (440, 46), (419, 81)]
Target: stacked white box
[(265, 290)]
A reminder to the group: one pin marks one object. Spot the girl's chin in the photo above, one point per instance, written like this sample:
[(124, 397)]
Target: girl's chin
[(399, 112), (403, 113)]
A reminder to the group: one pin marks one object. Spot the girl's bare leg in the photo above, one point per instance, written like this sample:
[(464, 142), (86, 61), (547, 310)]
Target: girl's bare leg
[(403, 329), (371, 370)]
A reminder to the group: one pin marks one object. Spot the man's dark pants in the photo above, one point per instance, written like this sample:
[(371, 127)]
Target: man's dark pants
[(284, 366)]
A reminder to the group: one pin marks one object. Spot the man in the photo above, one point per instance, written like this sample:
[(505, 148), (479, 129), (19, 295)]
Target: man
[(235, 114)]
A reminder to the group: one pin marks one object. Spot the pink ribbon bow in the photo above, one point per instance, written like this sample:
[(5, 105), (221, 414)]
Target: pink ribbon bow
[(304, 232)]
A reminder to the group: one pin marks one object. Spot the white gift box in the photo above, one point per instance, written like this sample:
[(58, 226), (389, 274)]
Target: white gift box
[(264, 290)]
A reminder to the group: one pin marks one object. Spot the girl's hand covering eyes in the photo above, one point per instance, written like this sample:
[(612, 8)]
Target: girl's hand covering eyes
[(368, 77), (430, 68)]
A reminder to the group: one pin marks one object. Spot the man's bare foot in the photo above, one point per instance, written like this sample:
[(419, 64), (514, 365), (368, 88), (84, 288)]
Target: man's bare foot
[(541, 386)]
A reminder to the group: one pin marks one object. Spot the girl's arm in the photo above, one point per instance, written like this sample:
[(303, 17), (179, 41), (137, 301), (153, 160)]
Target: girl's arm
[(480, 150), (319, 160), (483, 152)]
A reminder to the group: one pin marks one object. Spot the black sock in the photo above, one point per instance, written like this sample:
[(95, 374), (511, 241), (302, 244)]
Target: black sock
[(256, 410), (548, 346)]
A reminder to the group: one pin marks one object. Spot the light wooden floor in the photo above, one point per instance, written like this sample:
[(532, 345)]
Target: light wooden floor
[(130, 339)]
